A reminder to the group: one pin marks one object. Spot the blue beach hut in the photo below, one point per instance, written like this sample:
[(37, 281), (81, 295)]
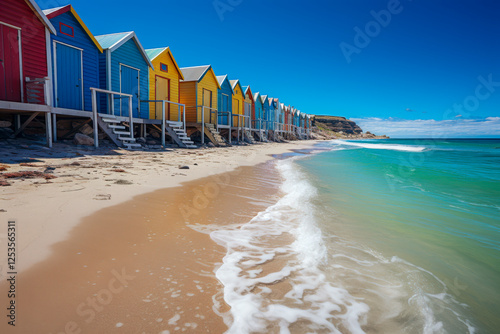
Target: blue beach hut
[(124, 67), (259, 111), (224, 100), (75, 62)]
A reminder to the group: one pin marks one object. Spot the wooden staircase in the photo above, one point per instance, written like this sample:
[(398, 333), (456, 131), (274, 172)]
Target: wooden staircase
[(117, 132), (177, 133), (248, 137), (214, 136)]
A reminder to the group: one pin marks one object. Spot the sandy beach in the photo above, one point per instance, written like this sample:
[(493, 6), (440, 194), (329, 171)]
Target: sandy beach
[(104, 246)]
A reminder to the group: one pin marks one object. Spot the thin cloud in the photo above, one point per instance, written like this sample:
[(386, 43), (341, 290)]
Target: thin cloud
[(405, 128)]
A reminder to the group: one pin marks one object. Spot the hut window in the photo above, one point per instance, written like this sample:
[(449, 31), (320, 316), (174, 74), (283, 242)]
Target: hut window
[(66, 30), (163, 67)]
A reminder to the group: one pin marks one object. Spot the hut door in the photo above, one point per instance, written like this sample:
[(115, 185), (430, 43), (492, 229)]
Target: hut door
[(223, 119), (129, 84), (68, 77), (10, 69), (162, 93), (207, 102)]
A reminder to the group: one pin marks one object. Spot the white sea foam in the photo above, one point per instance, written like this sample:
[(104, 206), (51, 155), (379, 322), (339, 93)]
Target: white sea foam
[(283, 244), (280, 276), (393, 147)]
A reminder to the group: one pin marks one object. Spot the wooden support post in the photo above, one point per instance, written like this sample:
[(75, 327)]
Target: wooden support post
[(48, 128), (54, 127), (163, 124), (94, 119), (28, 121), (17, 121)]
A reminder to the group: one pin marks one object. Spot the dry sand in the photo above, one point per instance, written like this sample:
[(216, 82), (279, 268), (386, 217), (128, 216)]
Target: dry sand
[(87, 237)]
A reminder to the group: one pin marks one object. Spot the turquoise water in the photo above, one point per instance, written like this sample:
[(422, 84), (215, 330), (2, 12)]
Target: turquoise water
[(412, 229)]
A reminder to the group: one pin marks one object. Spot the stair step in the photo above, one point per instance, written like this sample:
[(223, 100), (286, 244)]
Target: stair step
[(110, 120), (116, 126), (187, 142), (126, 139), (121, 132), (174, 124), (178, 130), (132, 145)]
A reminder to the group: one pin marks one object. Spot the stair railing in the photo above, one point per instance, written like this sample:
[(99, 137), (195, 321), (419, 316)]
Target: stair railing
[(163, 118), (94, 92)]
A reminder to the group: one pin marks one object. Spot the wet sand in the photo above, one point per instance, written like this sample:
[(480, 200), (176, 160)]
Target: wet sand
[(142, 266)]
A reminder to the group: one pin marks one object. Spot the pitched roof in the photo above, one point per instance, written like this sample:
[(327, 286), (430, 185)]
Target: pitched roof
[(222, 78), (264, 99), (54, 12), (114, 41), (41, 16), (153, 53), (196, 73), (236, 82), (256, 97)]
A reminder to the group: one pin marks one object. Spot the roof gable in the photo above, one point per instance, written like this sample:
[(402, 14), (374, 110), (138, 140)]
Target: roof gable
[(235, 83), (153, 53), (54, 12), (197, 73), (112, 42), (224, 79), (248, 92)]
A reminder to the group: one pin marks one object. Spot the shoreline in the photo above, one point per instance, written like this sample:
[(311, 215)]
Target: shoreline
[(47, 210), (146, 259)]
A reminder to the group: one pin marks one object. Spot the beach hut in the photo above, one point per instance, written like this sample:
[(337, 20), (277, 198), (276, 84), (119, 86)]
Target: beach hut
[(272, 114), (199, 89), (24, 48), (164, 81), (265, 113), (238, 103), (75, 59), (124, 67), (225, 105), (249, 108), (259, 111)]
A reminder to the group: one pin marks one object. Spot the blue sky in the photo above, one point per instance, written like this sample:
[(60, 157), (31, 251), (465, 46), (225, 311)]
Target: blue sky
[(381, 63)]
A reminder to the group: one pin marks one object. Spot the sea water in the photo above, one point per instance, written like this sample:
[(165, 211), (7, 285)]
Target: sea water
[(392, 236)]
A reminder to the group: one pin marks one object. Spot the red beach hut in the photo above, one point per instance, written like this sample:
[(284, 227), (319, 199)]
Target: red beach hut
[(24, 42)]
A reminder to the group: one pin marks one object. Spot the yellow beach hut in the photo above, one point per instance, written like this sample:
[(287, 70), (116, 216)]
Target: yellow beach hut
[(238, 103), (198, 91), (164, 84)]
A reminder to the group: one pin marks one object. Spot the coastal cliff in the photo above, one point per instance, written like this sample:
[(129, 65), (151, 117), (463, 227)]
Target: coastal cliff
[(331, 127)]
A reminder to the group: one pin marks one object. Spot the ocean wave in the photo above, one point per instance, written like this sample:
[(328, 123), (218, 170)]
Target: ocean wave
[(392, 147), (271, 274)]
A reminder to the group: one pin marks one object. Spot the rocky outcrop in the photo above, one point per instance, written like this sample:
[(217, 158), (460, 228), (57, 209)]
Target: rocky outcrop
[(332, 127), (337, 124)]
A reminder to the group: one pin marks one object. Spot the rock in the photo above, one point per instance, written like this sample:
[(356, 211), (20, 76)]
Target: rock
[(210, 144), (87, 130), (123, 182), (183, 167), (141, 140), (102, 197), (155, 134), (6, 132), (5, 124), (151, 142), (81, 139)]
